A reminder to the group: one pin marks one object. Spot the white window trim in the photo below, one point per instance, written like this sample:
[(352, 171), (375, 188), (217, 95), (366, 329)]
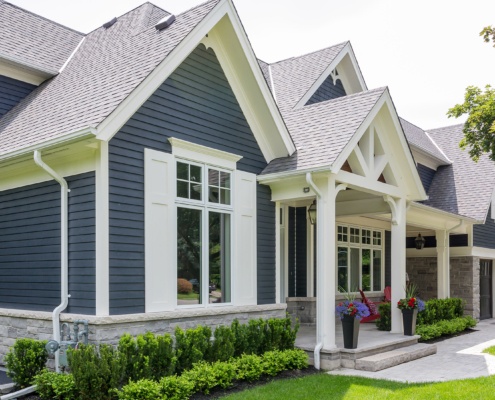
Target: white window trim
[(361, 246), (202, 154)]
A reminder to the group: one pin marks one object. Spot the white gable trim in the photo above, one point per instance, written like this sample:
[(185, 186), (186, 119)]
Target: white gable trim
[(344, 78), (274, 125), (417, 192)]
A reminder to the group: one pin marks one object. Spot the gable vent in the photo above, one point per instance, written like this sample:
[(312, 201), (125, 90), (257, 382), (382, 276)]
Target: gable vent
[(110, 23), (165, 22)]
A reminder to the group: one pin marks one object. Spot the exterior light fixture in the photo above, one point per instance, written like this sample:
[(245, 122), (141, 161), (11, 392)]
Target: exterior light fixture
[(312, 212), (420, 242)]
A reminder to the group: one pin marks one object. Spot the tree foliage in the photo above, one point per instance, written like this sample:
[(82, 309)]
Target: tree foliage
[(479, 105)]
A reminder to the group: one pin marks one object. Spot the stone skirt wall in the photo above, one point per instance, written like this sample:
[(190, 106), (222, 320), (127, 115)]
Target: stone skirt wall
[(303, 309), (464, 280), (38, 325)]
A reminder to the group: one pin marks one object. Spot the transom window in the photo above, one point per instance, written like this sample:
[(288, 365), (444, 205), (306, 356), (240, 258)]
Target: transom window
[(204, 234), (359, 259)]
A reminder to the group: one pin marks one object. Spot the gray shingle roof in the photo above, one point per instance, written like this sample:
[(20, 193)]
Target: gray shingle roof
[(321, 131), (293, 77), (107, 67), (465, 187), (418, 138), (30, 39)]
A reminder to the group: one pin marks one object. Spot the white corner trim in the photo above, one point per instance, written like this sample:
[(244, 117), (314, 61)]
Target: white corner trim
[(207, 155), (102, 270)]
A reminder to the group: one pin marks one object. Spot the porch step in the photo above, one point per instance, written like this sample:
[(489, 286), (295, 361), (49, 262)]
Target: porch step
[(391, 358)]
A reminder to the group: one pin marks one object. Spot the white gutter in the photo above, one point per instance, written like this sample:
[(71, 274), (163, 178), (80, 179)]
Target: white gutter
[(64, 264), (319, 273)]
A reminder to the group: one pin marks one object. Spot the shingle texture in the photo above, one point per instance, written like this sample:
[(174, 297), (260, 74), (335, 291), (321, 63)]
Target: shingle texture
[(293, 77), (321, 131), (418, 138), (32, 40), (107, 67), (465, 187)]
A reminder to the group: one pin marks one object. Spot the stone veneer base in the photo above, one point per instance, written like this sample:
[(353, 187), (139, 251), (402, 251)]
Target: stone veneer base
[(16, 324)]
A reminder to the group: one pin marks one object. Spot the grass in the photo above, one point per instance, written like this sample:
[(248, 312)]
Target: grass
[(323, 386), (490, 350)]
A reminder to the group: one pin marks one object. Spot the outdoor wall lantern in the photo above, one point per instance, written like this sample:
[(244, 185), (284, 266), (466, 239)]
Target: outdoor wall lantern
[(420, 242), (312, 212)]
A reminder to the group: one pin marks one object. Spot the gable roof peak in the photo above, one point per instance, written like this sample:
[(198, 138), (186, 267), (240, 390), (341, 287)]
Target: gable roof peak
[(311, 53)]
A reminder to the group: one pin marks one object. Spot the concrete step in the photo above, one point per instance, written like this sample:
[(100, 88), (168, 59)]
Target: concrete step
[(391, 358)]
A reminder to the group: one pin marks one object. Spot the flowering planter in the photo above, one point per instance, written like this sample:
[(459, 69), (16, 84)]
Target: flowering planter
[(350, 328), (409, 321)]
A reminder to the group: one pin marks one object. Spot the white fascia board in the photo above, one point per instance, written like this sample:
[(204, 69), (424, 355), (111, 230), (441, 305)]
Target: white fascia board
[(263, 85), (346, 50), (23, 74), (111, 125), (454, 219), (385, 99), (78, 134), (424, 158), (278, 176)]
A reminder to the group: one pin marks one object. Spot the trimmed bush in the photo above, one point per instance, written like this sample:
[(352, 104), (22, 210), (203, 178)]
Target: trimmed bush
[(147, 356), (54, 386), (445, 327), (25, 359), (384, 323), (223, 346), (192, 346), (184, 286), (96, 372), (441, 309), (204, 377)]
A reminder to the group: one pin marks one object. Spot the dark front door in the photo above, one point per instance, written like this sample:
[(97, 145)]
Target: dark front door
[(485, 289)]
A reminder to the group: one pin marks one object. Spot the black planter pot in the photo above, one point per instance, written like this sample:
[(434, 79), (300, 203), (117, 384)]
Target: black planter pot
[(409, 321), (350, 328)]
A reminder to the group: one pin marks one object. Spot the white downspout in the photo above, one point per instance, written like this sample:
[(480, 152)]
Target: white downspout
[(64, 265), (319, 284)]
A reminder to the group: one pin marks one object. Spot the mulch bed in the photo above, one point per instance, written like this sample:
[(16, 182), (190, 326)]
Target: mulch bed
[(237, 387)]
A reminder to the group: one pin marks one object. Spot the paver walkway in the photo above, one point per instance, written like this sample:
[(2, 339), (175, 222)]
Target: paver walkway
[(460, 357)]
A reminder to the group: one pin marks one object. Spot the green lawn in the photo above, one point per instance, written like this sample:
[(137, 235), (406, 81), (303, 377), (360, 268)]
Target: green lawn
[(490, 350), (325, 387)]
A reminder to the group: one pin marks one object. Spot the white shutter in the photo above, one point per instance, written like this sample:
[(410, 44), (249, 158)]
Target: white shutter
[(160, 231), (244, 267)]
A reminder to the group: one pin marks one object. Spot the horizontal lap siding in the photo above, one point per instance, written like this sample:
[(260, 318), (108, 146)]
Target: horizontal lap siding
[(12, 92), (327, 91), (195, 104), (484, 235), (30, 246), (82, 244), (266, 246), (426, 175)]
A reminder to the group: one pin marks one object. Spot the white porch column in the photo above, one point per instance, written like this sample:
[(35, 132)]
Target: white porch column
[(443, 265), (326, 262), (398, 208)]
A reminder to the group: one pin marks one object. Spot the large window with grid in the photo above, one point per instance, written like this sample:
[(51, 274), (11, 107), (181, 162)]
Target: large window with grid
[(360, 259), (204, 211)]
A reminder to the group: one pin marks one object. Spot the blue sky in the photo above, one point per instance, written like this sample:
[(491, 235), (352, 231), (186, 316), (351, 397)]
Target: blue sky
[(425, 51)]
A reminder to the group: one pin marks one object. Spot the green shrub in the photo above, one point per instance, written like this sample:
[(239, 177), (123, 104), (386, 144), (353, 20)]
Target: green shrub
[(207, 376), (223, 346), (272, 363), (280, 335), (147, 357), (240, 337), (294, 359), (248, 367), (192, 346), (143, 389), (25, 359), (53, 386), (441, 309), (96, 373), (384, 323), (176, 387), (445, 327)]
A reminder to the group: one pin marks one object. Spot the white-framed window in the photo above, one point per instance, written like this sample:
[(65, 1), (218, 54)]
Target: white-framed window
[(360, 259), (204, 233)]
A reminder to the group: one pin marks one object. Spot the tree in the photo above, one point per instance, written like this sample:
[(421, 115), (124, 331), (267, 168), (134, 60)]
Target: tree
[(479, 105)]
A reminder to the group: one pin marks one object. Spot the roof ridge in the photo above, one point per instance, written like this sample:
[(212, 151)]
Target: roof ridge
[(442, 127), (309, 53), (42, 17), (199, 5)]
